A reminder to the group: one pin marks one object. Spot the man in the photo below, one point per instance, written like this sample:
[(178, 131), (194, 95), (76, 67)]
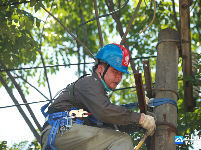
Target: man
[(94, 132)]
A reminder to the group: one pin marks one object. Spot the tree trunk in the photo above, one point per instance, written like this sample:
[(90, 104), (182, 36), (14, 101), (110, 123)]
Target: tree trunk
[(85, 40), (35, 133), (22, 96)]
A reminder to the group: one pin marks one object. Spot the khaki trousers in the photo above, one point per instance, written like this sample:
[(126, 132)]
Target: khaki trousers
[(83, 137)]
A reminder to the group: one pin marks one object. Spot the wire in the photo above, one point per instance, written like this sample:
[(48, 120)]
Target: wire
[(44, 66), (65, 64), (24, 104), (104, 15), (52, 99), (142, 57)]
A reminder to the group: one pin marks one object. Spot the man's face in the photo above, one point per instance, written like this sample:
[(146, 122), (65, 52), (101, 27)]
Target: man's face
[(112, 77)]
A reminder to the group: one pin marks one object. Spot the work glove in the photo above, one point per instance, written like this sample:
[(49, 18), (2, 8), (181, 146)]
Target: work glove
[(147, 100), (152, 114), (149, 124)]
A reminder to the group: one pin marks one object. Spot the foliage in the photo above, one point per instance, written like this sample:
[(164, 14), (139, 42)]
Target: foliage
[(21, 145), (27, 33)]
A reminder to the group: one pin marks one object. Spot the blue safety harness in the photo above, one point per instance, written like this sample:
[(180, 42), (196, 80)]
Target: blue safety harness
[(62, 121)]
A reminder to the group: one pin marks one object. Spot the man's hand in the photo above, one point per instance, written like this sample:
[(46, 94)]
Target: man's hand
[(152, 114), (149, 124)]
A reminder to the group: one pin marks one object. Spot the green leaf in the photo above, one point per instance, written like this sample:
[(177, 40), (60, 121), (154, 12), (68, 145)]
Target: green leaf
[(32, 3), (37, 6), (28, 25), (9, 22), (22, 22), (41, 4), (16, 20), (38, 23)]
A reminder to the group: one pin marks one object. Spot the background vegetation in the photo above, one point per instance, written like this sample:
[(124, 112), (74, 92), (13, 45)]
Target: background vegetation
[(29, 37)]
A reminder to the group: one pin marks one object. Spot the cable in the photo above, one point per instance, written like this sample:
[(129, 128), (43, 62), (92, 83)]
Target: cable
[(124, 88), (142, 57), (104, 15), (24, 104), (66, 64), (45, 66), (52, 99)]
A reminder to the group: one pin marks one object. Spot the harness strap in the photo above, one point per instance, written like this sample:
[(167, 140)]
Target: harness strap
[(52, 136), (76, 104), (153, 103), (72, 96)]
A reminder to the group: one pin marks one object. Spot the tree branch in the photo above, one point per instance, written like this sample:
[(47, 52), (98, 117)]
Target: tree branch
[(175, 15), (15, 3), (120, 28), (131, 21), (41, 55), (98, 24), (70, 33), (85, 37), (43, 62), (20, 109), (152, 19), (45, 71), (22, 96)]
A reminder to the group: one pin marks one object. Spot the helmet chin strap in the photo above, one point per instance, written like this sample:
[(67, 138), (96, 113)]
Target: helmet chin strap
[(107, 67), (102, 78)]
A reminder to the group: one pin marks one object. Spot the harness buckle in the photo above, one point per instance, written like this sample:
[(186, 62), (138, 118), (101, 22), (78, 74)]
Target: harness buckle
[(78, 113), (46, 118), (69, 121)]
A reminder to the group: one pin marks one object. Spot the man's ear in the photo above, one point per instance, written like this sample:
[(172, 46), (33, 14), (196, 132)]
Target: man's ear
[(100, 68)]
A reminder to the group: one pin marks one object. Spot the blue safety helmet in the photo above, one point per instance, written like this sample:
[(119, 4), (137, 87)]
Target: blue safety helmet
[(115, 55)]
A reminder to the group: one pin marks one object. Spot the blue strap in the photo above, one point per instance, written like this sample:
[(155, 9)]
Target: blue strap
[(52, 135), (46, 105), (153, 103), (43, 109), (160, 101)]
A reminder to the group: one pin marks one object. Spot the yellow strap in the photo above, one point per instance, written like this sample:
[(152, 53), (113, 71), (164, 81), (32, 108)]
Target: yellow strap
[(141, 142), (139, 145)]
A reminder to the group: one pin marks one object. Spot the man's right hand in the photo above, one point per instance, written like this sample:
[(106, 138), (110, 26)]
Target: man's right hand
[(149, 124)]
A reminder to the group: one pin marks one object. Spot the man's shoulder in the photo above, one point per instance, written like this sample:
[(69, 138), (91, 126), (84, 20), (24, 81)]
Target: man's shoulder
[(90, 79), (91, 83)]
